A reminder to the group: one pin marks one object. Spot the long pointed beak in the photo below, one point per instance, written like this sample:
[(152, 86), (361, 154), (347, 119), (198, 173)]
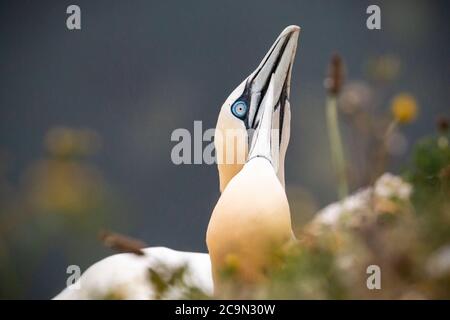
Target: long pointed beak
[(268, 88)]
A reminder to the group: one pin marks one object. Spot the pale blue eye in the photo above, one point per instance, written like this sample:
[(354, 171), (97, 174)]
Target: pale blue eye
[(239, 109)]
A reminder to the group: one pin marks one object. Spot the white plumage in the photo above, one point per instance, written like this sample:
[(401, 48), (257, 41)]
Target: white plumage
[(127, 276)]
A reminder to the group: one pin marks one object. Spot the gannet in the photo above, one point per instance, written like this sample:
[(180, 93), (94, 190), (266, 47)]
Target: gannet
[(252, 218), (258, 105)]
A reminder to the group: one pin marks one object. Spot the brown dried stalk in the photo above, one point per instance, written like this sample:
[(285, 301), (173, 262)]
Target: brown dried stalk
[(121, 243)]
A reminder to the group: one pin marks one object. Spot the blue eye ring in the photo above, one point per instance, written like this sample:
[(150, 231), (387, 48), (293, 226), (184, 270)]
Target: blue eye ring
[(239, 109)]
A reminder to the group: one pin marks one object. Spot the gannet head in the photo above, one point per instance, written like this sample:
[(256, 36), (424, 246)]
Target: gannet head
[(240, 115)]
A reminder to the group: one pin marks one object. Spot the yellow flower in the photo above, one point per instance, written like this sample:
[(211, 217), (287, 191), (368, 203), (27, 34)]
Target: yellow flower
[(404, 108)]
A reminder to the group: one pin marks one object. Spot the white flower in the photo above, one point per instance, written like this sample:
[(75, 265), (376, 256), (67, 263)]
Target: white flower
[(357, 207), (352, 205), (389, 186)]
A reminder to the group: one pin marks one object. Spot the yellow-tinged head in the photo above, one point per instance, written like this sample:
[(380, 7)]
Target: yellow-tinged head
[(239, 115)]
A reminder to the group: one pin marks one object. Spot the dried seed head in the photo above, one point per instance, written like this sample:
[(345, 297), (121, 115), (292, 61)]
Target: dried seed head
[(122, 243), (442, 124), (335, 78)]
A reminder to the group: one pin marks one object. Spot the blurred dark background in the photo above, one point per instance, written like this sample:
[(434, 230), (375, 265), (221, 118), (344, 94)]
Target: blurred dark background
[(138, 70)]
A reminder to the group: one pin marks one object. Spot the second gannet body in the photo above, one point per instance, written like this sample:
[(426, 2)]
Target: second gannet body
[(127, 276)]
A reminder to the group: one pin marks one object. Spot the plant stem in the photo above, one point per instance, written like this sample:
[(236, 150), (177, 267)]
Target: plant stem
[(381, 160), (337, 151)]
